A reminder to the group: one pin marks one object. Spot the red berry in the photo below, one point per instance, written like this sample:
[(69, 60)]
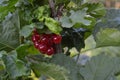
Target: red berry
[(50, 51), (35, 37), (57, 39), (42, 48), (36, 44), (47, 39), (44, 40)]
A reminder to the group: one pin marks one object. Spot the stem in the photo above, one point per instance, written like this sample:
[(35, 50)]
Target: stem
[(52, 7), (58, 48)]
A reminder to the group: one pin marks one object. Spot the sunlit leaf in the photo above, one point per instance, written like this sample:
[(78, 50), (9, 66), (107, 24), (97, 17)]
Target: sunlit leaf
[(42, 12), (53, 25), (25, 50), (50, 70), (108, 37)]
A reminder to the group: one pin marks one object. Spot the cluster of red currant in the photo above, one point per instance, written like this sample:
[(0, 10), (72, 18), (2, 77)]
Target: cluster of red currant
[(45, 43)]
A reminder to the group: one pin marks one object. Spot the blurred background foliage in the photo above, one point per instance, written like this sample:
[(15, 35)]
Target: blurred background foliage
[(90, 44), (108, 3)]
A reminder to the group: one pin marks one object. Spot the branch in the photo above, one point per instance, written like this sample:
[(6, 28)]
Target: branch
[(52, 7)]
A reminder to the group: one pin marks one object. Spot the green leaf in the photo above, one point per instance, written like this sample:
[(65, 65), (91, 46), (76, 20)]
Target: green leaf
[(107, 31), (50, 70), (112, 15), (1, 53), (15, 67), (53, 25), (116, 65), (100, 67), (27, 30), (79, 17), (10, 7), (26, 49), (1, 66), (9, 33), (95, 9), (69, 64), (1, 62), (31, 1), (42, 12), (108, 37), (73, 38), (65, 22), (61, 1)]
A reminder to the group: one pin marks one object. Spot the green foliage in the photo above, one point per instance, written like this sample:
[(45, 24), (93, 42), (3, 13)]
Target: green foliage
[(9, 6), (100, 67), (107, 31), (27, 30), (72, 19), (9, 33), (50, 70), (42, 12), (53, 25), (108, 37), (26, 49), (15, 67), (95, 9), (69, 64)]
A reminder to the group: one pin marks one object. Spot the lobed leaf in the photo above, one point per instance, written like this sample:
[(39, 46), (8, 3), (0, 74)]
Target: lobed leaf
[(78, 19), (100, 67), (69, 64), (50, 70), (15, 67)]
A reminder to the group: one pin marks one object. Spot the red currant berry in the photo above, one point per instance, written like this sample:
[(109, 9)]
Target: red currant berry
[(35, 37), (50, 51), (57, 39), (42, 48), (36, 44), (44, 40)]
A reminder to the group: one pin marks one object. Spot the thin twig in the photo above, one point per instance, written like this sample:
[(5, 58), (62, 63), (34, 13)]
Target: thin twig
[(52, 7)]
